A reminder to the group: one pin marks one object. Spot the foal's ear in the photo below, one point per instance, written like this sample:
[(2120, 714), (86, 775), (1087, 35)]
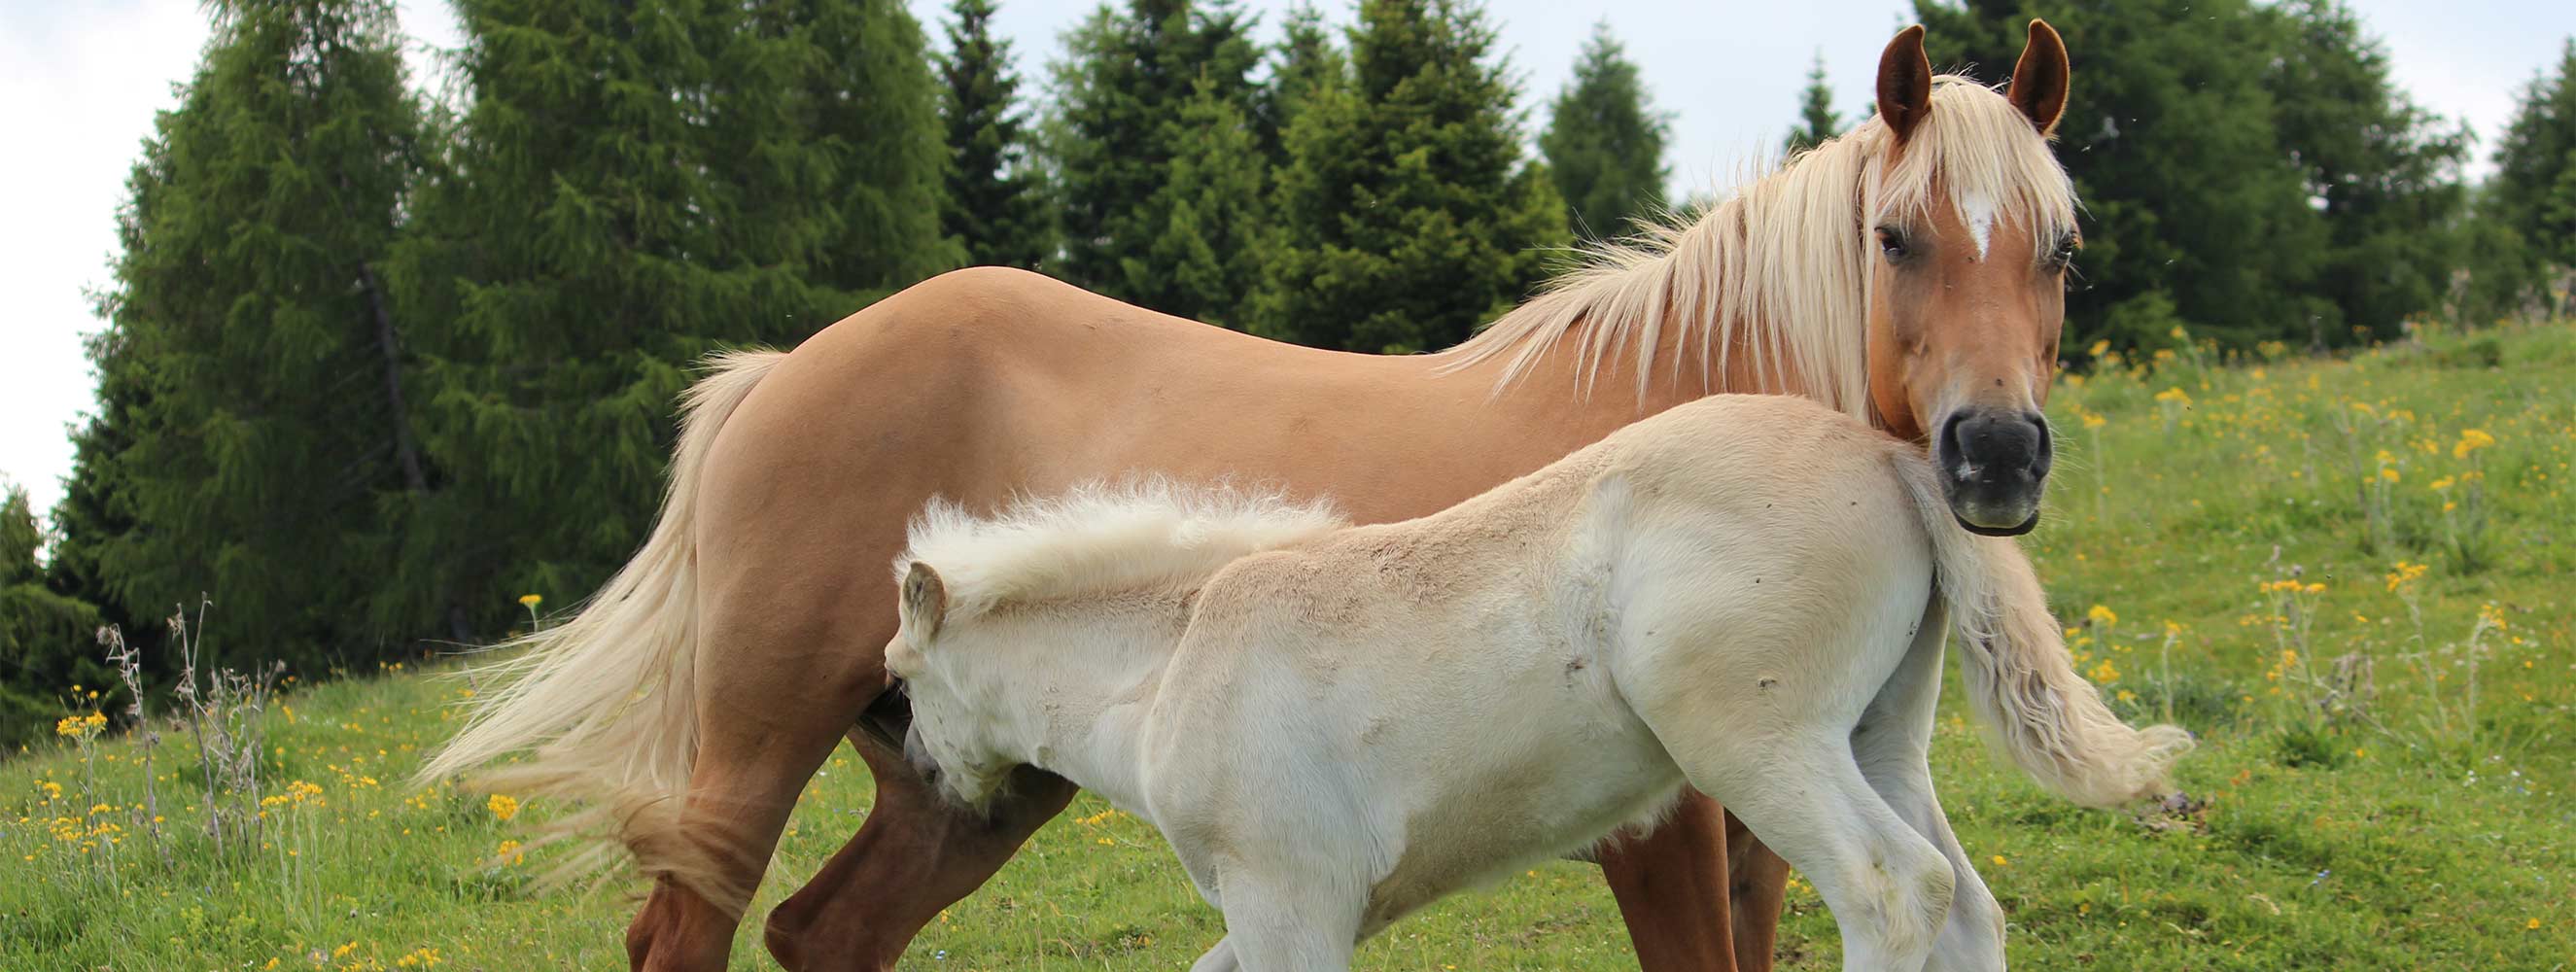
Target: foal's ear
[(2039, 78), (925, 601), (1904, 83)]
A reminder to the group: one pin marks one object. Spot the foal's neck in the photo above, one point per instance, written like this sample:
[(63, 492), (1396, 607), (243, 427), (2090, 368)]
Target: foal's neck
[(1082, 697)]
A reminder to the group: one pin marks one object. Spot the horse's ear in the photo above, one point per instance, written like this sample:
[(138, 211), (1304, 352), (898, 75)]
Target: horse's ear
[(2039, 78), (925, 602), (1904, 83)]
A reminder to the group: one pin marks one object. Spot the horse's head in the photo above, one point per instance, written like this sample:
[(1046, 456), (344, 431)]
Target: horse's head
[(1972, 223)]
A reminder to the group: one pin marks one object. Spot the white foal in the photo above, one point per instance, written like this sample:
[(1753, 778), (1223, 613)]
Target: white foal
[(1336, 725)]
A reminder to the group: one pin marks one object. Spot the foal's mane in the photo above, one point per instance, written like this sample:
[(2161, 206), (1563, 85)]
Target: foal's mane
[(1781, 269), (1102, 537)]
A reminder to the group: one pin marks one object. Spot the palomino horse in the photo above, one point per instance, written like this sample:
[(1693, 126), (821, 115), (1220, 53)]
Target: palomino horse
[(1336, 725), (1911, 272)]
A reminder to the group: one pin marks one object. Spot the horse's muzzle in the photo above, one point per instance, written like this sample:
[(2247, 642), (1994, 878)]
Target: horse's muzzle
[(1994, 468)]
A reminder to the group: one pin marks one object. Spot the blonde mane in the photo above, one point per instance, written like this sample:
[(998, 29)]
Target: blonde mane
[(1099, 537), (1782, 268)]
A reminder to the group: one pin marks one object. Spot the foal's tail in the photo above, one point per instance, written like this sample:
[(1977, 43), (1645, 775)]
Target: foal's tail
[(604, 704), (2018, 672)]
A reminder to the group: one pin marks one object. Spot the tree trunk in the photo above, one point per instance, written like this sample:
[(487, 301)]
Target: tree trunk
[(414, 478)]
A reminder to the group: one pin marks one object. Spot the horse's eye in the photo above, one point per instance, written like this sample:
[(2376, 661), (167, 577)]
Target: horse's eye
[(1891, 242), (2064, 254)]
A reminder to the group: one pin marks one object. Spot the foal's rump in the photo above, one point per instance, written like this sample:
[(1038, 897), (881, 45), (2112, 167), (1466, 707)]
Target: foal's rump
[(1775, 559)]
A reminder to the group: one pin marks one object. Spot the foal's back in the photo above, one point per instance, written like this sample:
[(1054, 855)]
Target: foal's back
[(1439, 700)]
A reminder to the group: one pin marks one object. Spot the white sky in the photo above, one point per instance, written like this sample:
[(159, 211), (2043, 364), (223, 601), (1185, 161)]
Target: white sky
[(80, 82)]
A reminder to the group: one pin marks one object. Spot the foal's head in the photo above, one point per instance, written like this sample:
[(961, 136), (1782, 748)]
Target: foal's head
[(1972, 223), (1063, 596), (948, 742)]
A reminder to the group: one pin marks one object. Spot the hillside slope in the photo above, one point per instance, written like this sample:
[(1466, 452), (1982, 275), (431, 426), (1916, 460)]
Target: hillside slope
[(2353, 578)]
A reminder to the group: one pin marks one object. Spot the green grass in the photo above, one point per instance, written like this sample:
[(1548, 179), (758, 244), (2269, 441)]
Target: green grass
[(2400, 831)]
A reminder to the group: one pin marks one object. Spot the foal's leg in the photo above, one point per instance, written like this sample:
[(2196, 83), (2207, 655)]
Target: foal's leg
[(1286, 923), (1218, 959), (1893, 744), (1889, 888), (1671, 885), (914, 856)]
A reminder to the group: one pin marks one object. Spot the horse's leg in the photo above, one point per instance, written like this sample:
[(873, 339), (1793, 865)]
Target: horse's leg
[(1893, 744), (1889, 888), (1758, 888), (678, 929), (912, 857), (1672, 890), (766, 720)]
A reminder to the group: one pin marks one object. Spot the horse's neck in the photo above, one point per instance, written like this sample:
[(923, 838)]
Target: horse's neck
[(1678, 371), (1082, 704)]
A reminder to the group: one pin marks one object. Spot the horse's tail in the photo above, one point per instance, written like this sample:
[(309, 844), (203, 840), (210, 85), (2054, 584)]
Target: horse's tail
[(604, 705), (2019, 675)]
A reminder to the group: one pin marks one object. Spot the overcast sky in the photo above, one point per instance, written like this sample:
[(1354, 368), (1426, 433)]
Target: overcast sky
[(80, 81)]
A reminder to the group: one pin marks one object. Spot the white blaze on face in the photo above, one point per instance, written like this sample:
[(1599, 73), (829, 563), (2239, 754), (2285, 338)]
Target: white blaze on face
[(1978, 211)]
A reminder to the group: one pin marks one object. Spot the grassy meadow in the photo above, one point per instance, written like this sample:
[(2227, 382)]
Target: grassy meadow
[(2352, 577)]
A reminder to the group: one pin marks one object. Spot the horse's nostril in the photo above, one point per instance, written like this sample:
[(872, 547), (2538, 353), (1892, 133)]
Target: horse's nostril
[(1950, 447), (2045, 453)]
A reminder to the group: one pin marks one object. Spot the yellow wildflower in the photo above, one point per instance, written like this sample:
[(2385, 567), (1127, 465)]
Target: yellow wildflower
[(2104, 673), (2471, 440), (2101, 615), (503, 806), (2404, 573), (531, 600)]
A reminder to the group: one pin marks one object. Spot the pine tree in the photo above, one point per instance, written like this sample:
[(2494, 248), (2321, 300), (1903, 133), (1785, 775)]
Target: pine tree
[(872, 100), (2533, 193), (2384, 173), (1816, 119), (46, 644), (2193, 211), (632, 186), (1407, 214), (994, 208), (1305, 62), (257, 446), (1128, 74), (95, 516), (1206, 260), (1604, 145)]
